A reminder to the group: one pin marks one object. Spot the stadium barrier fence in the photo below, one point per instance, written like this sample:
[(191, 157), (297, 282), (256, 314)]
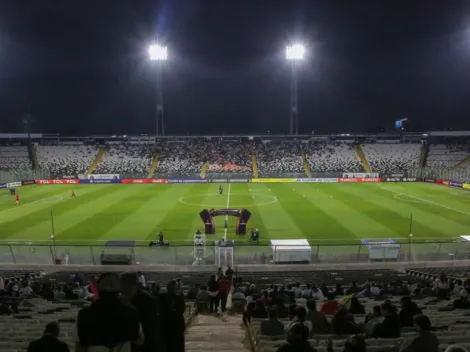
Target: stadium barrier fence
[(40, 254)]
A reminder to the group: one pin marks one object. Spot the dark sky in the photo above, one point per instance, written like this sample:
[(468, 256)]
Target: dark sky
[(81, 67)]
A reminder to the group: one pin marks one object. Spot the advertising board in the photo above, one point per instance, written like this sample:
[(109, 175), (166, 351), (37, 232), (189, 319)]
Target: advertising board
[(430, 180), (186, 181), (57, 182), (3, 185), (28, 182), (14, 184), (456, 184), (103, 177), (360, 175), (273, 180), (466, 185), (359, 180), (320, 180), (95, 181), (144, 181)]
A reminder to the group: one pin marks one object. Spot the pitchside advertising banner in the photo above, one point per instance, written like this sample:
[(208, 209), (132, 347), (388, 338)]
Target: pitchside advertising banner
[(13, 184), (466, 185), (400, 179), (229, 180), (273, 180), (188, 181), (28, 182), (144, 181), (103, 177), (95, 181), (57, 182), (3, 185), (456, 184), (359, 180), (360, 175), (320, 180)]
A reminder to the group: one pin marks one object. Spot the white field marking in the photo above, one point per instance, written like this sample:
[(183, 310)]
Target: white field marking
[(273, 199), (406, 199), (55, 199), (226, 216), (427, 201)]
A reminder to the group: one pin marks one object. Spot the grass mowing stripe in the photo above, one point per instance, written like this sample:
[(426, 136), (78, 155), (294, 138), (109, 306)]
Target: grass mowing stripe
[(351, 213), (38, 222)]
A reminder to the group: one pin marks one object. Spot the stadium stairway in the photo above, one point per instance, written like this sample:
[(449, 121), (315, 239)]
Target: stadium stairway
[(423, 155), (97, 160), (254, 164), (461, 162), (154, 165), (204, 170), (222, 333), (304, 161), (362, 156)]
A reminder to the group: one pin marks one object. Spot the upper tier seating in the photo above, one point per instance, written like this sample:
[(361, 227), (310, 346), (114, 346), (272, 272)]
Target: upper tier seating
[(391, 158), (181, 157), (14, 158), (279, 158), (65, 159), (126, 158), (333, 157), (228, 156), (446, 156)]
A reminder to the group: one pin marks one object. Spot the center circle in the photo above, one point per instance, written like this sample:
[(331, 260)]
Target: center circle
[(268, 199)]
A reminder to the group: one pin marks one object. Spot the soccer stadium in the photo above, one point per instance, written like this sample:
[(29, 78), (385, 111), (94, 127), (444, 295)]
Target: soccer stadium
[(161, 190)]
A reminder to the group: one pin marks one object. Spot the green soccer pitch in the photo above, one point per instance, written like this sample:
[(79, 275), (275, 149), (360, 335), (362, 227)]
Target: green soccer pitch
[(322, 213)]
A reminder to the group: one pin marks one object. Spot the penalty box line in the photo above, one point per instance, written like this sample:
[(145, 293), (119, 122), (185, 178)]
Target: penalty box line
[(427, 201)]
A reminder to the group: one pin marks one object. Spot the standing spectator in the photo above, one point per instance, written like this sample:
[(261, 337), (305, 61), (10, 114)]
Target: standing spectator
[(224, 287), (219, 273), (297, 340), (213, 288), (109, 322), (148, 309), (272, 326), (173, 308), (229, 273), (426, 340), (49, 341)]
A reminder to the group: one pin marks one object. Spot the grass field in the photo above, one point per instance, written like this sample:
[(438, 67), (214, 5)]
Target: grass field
[(321, 213)]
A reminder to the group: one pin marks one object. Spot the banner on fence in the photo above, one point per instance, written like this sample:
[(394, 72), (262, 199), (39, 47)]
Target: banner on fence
[(95, 181), (360, 175), (103, 177), (456, 184), (400, 179), (359, 180), (430, 180), (57, 182), (218, 180), (273, 180), (14, 184), (28, 182), (144, 181), (399, 175), (320, 180), (3, 185), (466, 185), (238, 180), (186, 181)]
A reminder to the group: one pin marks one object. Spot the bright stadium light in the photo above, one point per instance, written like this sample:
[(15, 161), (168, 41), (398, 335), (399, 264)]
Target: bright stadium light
[(295, 52), (158, 52)]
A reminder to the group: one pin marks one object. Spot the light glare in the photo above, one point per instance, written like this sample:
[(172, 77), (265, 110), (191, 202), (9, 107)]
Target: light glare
[(295, 52), (158, 52)]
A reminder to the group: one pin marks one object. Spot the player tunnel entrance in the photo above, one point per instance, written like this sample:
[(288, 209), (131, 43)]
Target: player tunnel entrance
[(242, 215)]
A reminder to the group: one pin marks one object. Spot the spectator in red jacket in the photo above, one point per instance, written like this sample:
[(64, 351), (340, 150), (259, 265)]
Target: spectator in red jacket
[(330, 306), (224, 290)]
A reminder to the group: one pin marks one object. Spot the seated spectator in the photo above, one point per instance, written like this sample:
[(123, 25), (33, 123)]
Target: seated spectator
[(265, 299), (301, 317), (441, 286), (462, 302), (25, 291), (307, 293), (272, 326), (318, 319), (282, 296), (259, 310), (297, 340), (458, 287), (282, 310), (408, 310), (109, 322), (372, 319), (80, 292), (427, 290), (324, 290), (203, 296), (316, 293), (426, 340), (193, 292), (59, 294), (390, 327), (355, 343), (330, 306), (353, 305), (49, 341), (339, 290), (292, 311), (353, 289), (343, 323), (155, 290), (78, 279), (367, 292)]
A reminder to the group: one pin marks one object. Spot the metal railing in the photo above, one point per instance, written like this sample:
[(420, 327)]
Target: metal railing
[(256, 254)]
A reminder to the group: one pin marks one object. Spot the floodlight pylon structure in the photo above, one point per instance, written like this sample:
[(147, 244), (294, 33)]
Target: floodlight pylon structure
[(159, 54), (294, 54)]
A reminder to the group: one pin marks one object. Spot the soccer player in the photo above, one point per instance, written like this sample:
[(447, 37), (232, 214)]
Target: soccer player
[(221, 190), (73, 193), (17, 197)]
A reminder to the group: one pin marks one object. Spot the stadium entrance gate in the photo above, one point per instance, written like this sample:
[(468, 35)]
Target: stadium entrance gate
[(224, 254)]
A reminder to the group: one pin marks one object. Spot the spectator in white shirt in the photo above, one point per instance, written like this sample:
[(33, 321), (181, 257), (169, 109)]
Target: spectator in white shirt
[(141, 279), (307, 293), (25, 291), (316, 293), (300, 317), (458, 288), (59, 294)]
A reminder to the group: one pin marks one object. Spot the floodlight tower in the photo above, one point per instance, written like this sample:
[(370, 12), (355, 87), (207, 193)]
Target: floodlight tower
[(295, 54), (159, 54)]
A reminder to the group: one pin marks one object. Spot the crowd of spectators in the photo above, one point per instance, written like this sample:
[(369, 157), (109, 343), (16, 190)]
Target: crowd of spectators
[(66, 159), (448, 155), (126, 158), (392, 157), (14, 157), (279, 158), (228, 156), (332, 156), (184, 157)]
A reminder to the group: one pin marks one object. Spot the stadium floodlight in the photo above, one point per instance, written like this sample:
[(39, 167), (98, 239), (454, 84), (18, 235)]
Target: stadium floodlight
[(295, 52), (158, 52)]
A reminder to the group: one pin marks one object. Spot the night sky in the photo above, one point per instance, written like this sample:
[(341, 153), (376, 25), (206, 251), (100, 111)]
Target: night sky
[(81, 67)]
